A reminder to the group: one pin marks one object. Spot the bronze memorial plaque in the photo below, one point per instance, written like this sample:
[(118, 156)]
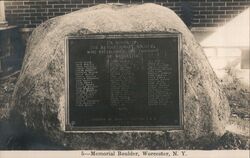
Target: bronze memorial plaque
[(124, 81)]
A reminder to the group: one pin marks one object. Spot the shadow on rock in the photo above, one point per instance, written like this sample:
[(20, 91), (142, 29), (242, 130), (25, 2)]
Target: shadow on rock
[(15, 136)]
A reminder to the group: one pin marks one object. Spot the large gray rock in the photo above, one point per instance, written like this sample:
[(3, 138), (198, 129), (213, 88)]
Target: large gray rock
[(39, 96)]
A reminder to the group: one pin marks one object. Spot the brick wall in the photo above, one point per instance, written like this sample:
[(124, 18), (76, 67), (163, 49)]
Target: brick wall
[(195, 13)]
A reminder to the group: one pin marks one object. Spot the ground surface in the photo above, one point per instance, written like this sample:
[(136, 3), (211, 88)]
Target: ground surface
[(237, 136)]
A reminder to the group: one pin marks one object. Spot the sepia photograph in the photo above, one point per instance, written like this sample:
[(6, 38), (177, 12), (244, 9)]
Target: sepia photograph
[(125, 78)]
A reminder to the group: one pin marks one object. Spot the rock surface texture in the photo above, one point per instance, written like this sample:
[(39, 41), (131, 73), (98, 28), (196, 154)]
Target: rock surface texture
[(39, 96)]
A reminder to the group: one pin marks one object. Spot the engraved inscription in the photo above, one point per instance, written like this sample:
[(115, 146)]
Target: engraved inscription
[(120, 79), (117, 81), (159, 92), (85, 88)]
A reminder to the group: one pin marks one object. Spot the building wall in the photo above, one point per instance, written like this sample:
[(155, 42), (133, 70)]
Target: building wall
[(230, 62), (11, 50), (195, 13)]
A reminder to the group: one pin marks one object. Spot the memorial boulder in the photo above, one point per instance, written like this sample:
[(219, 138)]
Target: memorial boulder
[(45, 87)]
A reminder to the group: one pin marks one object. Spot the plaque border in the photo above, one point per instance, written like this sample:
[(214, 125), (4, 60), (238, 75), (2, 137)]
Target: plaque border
[(69, 128)]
